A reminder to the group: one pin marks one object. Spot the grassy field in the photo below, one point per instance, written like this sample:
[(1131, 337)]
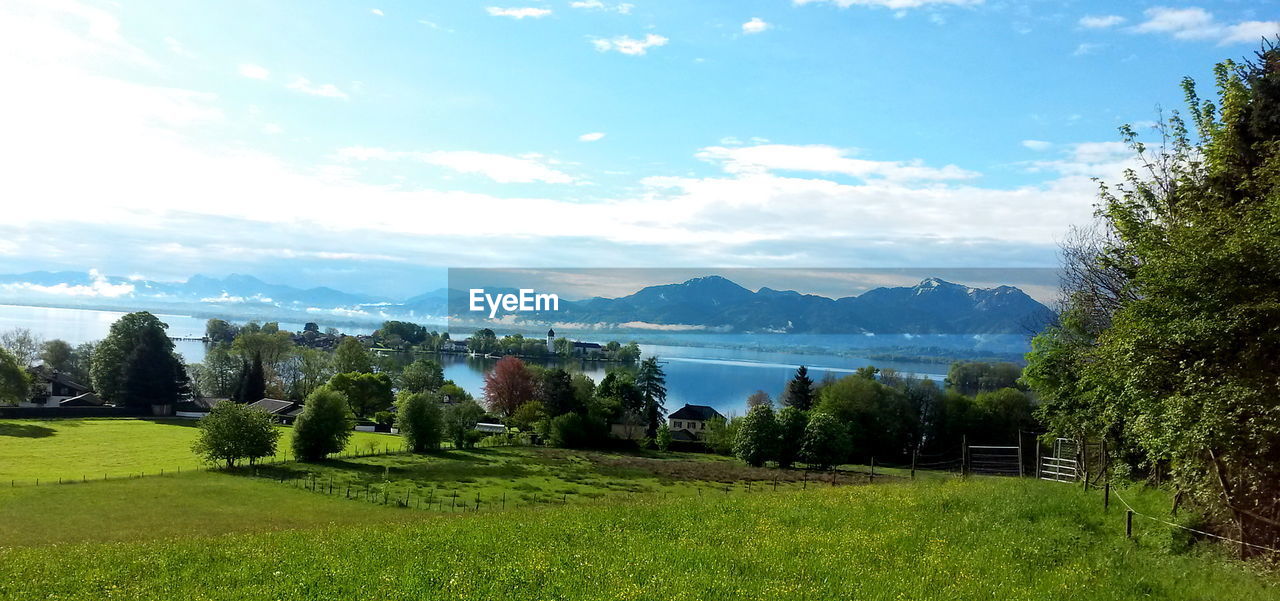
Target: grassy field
[(73, 449), (941, 539)]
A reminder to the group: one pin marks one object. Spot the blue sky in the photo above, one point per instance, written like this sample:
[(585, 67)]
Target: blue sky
[(370, 145)]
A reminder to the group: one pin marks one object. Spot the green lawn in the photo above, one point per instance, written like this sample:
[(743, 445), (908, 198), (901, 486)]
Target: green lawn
[(981, 538), (76, 449)]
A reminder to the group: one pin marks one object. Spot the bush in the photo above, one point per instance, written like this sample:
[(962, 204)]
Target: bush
[(324, 426), (757, 440), (420, 421), (232, 432), (384, 418), (825, 443), (568, 431), (460, 420), (663, 440)]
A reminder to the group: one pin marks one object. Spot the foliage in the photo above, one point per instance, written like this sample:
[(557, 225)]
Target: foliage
[(423, 375), (663, 439), (15, 382), (22, 344), (352, 357), (826, 441), (366, 393), (233, 432), (508, 386), (57, 354), (527, 415), (757, 398), (721, 434), (323, 427), (791, 426), (651, 383), (877, 418), (460, 420), (152, 374), (251, 383), (799, 392), (113, 353), (420, 421), (410, 333), (757, 439), (574, 431), (973, 377), (219, 331)]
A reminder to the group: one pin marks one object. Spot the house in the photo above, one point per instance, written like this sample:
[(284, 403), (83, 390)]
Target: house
[(284, 412), (691, 421), (580, 349), (50, 387), (87, 399), (196, 408)]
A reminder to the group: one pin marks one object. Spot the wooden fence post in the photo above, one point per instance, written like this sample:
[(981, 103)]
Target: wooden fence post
[(1128, 523), (964, 455), (1106, 496), (914, 451), (1020, 467)]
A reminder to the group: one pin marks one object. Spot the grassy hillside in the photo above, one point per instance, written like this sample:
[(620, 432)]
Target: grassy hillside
[(976, 539), (78, 448)]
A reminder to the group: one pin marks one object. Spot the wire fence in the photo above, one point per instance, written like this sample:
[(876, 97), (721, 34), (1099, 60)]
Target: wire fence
[(1132, 512)]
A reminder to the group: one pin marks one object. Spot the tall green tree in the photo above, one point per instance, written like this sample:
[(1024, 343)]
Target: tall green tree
[(791, 425), (423, 375), (460, 422), (651, 381), (233, 432), (151, 374), (826, 441), (251, 384), (352, 356), (799, 393), (15, 382), (366, 393), (323, 427), (1179, 368), (111, 355), (420, 421), (757, 440), (57, 354)]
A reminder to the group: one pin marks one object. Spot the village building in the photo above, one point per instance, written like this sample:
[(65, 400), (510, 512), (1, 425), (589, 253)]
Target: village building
[(689, 423)]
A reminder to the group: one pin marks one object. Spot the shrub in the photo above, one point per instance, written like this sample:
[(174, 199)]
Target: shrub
[(460, 420), (232, 432), (568, 430), (663, 439), (420, 421), (324, 426)]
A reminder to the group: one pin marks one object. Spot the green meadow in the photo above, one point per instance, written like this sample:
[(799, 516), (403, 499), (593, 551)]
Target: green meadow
[(77, 449)]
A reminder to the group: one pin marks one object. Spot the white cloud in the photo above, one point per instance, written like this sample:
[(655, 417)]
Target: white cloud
[(254, 71), (518, 13), (98, 287), (591, 137), (622, 8), (628, 45), (1086, 48), (892, 4), (755, 25), (824, 159), (377, 12), (327, 90), (1196, 23), (1037, 145), (272, 129), (1100, 21), (497, 167), (176, 47)]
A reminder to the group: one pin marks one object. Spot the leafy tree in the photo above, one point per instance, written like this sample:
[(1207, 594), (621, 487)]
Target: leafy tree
[(219, 374), (508, 386), (629, 353), (233, 432), (420, 421), (110, 356), (219, 331), (1004, 413), (651, 382), (556, 393), (866, 372), (452, 393), (151, 373), (57, 354), (757, 439), (527, 416), (251, 384), (323, 427), (22, 344), (423, 375), (800, 390), (366, 393), (411, 333), (305, 370), (460, 420), (663, 439), (973, 377), (791, 427), (352, 357), (269, 347), (1181, 366), (759, 398), (311, 326), (15, 382), (483, 341), (877, 418), (825, 442), (721, 434)]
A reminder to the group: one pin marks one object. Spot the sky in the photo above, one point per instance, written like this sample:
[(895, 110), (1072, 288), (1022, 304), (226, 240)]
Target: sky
[(370, 146)]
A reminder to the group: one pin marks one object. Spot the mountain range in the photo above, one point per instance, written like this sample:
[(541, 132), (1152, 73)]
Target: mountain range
[(712, 303)]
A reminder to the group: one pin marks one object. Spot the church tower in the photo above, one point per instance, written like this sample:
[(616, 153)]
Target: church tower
[(551, 342)]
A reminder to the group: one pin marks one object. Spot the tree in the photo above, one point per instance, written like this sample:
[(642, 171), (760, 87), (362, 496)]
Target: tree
[(151, 374), (270, 347), (58, 355), (757, 439), (1178, 369), (877, 418), (527, 416), (410, 333), (218, 331), (423, 375), (759, 398), (22, 344), (251, 384), (825, 442), (420, 421), (219, 374), (800, 390), (483, 341), (305, 370), (1004, 413), (15, 382), (233, 432), (109, 357), (460, 420), (508, 386), (651, 381), (352, 357), (791, 426), (721, 434), (366, 393), (663, 439), (324, 427), (452, 393), (973, 377)]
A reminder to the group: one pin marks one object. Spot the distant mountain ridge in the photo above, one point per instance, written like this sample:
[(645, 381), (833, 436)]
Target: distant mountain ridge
[(711, 303)]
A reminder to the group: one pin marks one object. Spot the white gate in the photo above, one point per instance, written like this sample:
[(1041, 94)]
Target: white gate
[(1064, 465)]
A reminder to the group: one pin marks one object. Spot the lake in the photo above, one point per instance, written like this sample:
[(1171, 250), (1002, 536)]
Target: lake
[(719, 377)]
